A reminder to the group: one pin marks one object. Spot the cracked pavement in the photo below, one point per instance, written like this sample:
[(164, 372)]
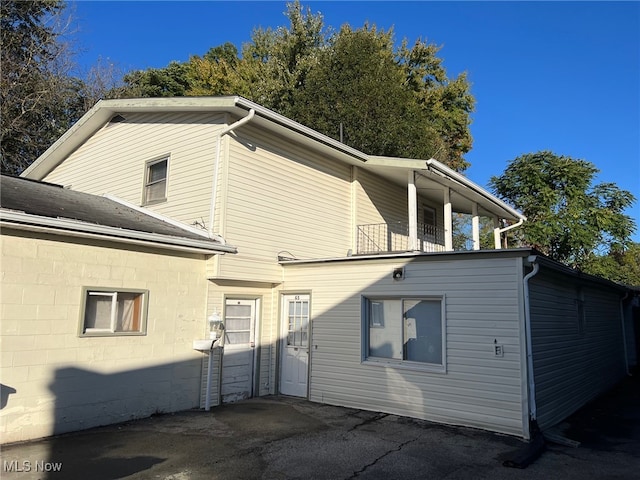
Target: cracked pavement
[(285, 438)]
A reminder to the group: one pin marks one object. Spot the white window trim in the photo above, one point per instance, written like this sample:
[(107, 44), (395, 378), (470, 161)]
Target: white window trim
[(113, 293), (147, 166), (395, 363)]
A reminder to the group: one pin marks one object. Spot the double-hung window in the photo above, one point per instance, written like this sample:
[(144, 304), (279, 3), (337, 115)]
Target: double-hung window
[(405, 331), (155, 182), (114, 312)]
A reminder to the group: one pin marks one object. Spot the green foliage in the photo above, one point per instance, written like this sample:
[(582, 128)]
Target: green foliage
[(620, 265), (38, 99), (568, 218), (388, 101), (171, 81)]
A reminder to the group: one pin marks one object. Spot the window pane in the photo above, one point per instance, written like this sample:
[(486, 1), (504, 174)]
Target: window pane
[(236, 338), (156, 191), (423, 331), (157, 171), (129, 311), (385, 338), (98, 312), (298, 323)]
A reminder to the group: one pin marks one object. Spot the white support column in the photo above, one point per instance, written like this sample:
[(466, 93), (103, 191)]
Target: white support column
[(354, 209), (496, 233), (448, 221), (412, 199), (475, 226)]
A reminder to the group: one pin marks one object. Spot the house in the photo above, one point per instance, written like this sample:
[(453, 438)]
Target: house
[(347, 287)]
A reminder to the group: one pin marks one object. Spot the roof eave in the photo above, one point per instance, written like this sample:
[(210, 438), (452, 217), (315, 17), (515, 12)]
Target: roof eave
[(102, 112), (61, 226)]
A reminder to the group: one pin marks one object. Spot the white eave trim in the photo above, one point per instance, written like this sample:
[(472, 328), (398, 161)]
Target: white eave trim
[(454, 176), (302, 129), (102, 112), (75, 228)]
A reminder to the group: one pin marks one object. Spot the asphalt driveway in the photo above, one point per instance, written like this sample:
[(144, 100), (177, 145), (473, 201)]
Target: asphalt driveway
[(288, 438)]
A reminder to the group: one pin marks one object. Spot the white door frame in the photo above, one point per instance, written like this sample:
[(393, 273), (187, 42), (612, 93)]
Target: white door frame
[(285, 297)]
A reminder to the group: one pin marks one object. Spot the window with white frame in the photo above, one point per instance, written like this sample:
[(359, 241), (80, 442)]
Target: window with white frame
[(155, 182), (114, 312), (405, 330)]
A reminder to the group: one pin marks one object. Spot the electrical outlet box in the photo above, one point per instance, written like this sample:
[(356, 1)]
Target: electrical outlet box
[(498, 350)]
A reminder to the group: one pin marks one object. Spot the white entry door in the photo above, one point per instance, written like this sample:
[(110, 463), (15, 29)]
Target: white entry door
[(239, 347), (295, 345)]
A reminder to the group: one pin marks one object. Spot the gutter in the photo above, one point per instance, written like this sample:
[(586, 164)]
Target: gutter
[(74, 228), (527, 325), (216, 171)]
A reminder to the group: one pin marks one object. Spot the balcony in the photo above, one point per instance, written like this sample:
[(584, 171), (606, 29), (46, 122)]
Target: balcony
[(394, 237)]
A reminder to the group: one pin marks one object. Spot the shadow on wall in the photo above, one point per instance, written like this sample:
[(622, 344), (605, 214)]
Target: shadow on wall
[(86, 399), (5, 391)]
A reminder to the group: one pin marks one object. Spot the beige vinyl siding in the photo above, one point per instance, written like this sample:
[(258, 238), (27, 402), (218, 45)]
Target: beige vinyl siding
[(572, 367), (379, 201), (113, 161), (281, 197), (481, 296), (266, 325)]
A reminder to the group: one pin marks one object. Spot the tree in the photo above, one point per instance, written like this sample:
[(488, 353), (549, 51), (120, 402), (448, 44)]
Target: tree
[(171, 81), (619, 265), (568, 217), (38, 99), (395, 101)]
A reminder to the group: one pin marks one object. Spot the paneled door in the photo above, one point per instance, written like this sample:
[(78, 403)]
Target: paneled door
[(294, 369)]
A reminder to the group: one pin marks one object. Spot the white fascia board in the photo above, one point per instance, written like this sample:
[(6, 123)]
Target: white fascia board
[(302, 129), (461, 179), (61, 226), (102, 112)]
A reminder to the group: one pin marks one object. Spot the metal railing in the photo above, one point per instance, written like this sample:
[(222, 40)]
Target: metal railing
[(394, 237)]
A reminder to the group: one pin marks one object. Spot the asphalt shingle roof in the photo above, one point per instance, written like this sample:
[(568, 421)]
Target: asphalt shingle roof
[(54, 201)]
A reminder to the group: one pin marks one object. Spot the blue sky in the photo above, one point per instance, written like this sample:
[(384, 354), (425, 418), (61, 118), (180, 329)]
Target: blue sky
[(559, 76)]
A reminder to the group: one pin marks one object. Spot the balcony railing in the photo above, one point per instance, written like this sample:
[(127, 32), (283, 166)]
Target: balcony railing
[(394, 237)]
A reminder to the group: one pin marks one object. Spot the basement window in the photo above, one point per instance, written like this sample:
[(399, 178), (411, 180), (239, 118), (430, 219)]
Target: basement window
[(109, 312), (406, 332), (155, 182)]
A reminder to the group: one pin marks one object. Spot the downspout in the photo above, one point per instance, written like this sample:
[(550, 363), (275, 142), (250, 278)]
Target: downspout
[(499, 231), (624, 334), (214, 187), (527, 326)]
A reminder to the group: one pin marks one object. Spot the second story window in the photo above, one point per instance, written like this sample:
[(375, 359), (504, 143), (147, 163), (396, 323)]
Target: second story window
[(155, 182)]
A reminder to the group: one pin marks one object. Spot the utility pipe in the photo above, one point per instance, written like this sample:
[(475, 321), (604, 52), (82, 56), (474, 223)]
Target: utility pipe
[(214, 187), (527, 327)]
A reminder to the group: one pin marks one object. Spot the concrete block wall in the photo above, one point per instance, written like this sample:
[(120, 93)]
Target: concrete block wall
[(54, 381)]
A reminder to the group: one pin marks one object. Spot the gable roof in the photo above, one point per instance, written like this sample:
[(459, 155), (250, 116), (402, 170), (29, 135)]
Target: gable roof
[(32, 205), (103, 111), (391, 168)]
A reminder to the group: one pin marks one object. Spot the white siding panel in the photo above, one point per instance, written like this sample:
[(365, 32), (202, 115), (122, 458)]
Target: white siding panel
[(477, 389), (113, 161), (280, 197), (572, 365)]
